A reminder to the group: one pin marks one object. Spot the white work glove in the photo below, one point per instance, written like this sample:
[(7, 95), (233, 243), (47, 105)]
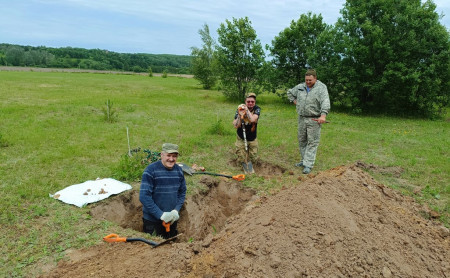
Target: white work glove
[(167, 217), (175, 215)]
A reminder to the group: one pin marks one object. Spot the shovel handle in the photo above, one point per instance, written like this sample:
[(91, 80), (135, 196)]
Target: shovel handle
[(237, 177), (114, 238), (166, 225)]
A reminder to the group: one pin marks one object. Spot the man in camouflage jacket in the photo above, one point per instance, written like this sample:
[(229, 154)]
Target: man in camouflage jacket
[(313, 104)]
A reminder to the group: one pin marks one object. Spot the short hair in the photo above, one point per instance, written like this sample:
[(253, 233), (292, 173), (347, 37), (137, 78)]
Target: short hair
[(311, 72)]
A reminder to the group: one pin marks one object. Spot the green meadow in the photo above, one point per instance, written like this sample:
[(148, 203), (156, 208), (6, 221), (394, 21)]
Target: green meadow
[(53, 133)]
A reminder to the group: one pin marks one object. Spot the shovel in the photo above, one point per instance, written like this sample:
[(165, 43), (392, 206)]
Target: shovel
[(188, 170), (116, 238)]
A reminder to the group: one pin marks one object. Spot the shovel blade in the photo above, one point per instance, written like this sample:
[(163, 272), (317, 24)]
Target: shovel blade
[(245, 167), (250, 168), (167, 240), (186, 169)]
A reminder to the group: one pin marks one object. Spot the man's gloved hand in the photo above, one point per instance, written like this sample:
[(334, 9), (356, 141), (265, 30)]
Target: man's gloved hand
[(242, 110), (167, 217), (175, 215), (244, 113)]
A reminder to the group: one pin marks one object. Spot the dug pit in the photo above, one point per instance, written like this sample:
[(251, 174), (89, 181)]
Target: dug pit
[(203, 213)]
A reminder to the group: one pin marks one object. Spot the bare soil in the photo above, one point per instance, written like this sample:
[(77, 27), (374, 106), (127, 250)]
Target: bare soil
[(336, 223)]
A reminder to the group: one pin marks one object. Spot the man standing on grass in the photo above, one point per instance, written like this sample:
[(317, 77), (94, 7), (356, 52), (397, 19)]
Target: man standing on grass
[(246, 119), (313, 104), (162, 194)]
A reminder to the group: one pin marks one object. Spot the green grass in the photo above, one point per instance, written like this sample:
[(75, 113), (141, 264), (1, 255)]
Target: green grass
[(54, 135)]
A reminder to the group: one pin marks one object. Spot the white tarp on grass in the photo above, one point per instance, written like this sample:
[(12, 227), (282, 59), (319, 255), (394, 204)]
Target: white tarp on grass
[(90, 191)]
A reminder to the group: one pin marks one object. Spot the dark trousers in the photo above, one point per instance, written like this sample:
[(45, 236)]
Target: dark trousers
[(156, 228)]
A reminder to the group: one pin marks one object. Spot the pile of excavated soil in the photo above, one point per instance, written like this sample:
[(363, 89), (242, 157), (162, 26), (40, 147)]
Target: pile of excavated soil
[(338, 223)]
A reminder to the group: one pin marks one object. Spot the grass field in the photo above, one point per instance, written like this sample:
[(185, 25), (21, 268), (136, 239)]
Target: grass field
[(53, 134)]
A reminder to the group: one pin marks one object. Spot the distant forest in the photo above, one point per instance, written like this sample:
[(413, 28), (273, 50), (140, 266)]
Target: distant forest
[(95, 59)]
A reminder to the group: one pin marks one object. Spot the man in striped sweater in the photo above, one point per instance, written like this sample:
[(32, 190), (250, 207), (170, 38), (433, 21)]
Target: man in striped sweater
[(162, 194)]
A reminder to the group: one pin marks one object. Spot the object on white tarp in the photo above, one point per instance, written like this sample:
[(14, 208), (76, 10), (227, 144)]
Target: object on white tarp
[(90, 191)]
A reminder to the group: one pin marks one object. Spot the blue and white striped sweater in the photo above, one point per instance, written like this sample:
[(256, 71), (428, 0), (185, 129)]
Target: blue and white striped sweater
[(162, 190)]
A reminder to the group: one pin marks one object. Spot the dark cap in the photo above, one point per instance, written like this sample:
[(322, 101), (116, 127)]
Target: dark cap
[(169, 148)]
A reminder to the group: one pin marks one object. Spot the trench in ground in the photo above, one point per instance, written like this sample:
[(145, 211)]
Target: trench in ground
[(203, 213)]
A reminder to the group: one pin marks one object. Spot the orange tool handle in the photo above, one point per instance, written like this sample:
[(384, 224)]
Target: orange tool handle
[(114, 238), (239, 177), (167, 226)]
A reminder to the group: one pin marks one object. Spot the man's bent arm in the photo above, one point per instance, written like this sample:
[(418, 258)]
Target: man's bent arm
[(145, 196)]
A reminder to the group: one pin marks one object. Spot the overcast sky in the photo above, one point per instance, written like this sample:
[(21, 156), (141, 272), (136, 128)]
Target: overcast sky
[(148, 26)]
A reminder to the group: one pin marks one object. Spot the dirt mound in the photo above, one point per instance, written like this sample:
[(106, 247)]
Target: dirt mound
[(338, 223)]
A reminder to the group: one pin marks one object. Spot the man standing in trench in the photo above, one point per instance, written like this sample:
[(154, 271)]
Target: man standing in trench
[(313, 104), (162, 194)]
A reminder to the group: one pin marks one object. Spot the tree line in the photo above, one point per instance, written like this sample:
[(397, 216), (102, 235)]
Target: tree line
[(382, 56), (96, 59)]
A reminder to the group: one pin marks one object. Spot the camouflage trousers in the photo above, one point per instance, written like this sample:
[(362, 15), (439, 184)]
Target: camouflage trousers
[(308, 140), (250, 154)]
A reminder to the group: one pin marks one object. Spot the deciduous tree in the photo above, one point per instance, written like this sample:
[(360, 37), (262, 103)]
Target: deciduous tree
[(395, 57), (307, 42), (14, 55), (204, 62), (293, 48), (240, 56)]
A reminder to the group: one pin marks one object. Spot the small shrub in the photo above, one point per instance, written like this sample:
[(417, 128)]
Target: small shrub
[(218, 129), (3, 142), (150, 72), (132, 164), (152, 156), (137, 69), (164, 74), (109, 112), (130, 168)]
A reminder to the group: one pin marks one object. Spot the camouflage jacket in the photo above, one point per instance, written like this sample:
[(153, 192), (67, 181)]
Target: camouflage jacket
[(312, 104)]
